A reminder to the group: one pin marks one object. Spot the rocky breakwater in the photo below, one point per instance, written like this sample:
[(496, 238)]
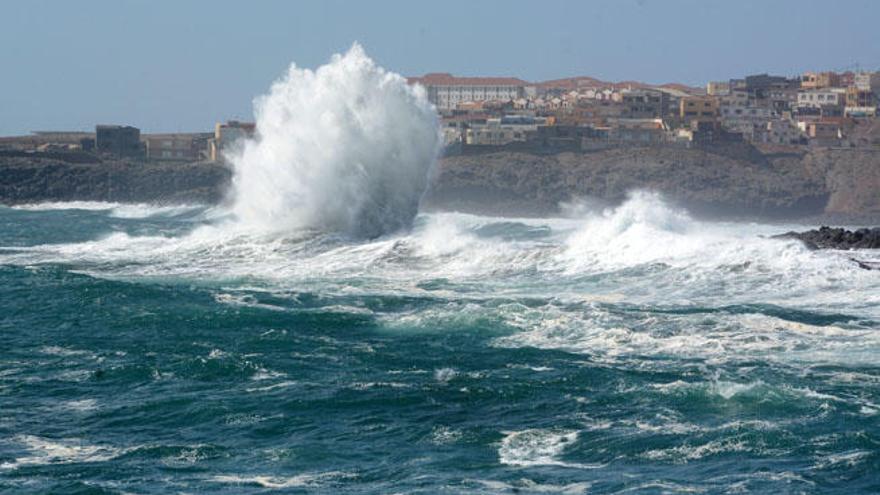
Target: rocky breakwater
[(840, 238)]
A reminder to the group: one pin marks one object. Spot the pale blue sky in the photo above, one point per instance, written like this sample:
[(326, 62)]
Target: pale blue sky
[(182, 65)]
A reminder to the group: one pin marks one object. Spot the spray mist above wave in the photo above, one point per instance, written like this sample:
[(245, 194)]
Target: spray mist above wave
[(344, 148)]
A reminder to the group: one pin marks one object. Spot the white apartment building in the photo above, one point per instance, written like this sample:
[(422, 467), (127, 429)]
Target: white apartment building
[(446, 91), (818, 98)]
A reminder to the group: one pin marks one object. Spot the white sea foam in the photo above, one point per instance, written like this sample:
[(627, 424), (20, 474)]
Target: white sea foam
[(68, 205), (525, 485), (278, 482), (579, 274), (347, 147), (115, 209), (64, 451), (690, 452), (538, 447), (143, 210)]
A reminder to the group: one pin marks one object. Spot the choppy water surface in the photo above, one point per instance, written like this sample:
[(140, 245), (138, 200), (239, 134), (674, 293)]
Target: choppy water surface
[(155, 350)]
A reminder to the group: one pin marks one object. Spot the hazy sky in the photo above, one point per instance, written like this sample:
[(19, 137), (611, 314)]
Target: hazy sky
[(182, 65)]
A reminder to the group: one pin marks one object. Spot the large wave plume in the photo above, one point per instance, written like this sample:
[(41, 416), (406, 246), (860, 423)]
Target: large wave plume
[(344, 148)]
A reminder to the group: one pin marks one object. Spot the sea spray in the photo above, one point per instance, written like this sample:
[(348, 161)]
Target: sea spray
[(345, 148)]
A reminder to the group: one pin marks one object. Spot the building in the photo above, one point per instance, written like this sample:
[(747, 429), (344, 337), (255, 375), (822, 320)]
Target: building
[(782, 131), (504, 130), (867, 81), (749, 121), (818, 98), (698, 108), (228, 134), (119, 140), (758, 86), (820, 80), (446, 91), (783, 100), (822, 133), (637, 130), (718, 88), (860, 102), (644, 103), (176, 147)]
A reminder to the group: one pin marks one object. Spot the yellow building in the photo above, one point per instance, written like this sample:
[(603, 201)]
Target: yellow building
[(819, 80), (699, 108)]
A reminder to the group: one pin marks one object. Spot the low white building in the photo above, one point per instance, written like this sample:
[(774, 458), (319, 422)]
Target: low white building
[(446, 91), (818, 98)]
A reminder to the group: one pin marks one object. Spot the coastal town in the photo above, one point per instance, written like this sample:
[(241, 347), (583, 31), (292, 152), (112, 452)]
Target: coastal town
[(814, 109)]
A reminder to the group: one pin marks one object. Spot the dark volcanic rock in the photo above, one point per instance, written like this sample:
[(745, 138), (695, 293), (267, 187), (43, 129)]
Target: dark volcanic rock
[(42, 177), (837, 238)]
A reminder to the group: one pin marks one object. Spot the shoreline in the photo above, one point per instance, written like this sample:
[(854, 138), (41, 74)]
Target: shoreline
[(742, 183)]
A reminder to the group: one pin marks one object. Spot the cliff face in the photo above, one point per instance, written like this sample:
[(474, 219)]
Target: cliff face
[(733, 181), (852, 179), (35, 179)]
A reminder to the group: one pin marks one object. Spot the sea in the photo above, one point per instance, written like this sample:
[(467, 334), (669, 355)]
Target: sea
[(636, 349)]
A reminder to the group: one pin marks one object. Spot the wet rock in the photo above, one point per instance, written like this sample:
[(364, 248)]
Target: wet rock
[(837, 238)]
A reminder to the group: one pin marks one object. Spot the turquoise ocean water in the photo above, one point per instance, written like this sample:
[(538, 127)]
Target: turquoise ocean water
[(157, 350)]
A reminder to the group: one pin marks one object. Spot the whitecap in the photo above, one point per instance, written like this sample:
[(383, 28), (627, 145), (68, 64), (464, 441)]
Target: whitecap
[(538, 447), (278, 482), (61, 451)]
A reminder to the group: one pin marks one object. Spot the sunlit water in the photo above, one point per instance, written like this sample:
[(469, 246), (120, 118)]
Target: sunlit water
[(158, 350)]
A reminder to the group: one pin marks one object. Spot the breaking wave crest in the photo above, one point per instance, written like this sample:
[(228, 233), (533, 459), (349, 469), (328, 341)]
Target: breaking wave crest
[(344, 148)]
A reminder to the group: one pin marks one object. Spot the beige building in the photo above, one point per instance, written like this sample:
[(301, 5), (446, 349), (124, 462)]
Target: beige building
[(718, 88), (176, 147), (226, 135)]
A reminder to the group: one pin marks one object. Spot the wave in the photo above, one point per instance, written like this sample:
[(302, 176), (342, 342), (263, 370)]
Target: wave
[(345, 148), (42, 451), (114, 209)]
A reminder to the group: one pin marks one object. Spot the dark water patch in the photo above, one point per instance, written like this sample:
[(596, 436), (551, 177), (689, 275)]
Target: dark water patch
[(19, 227)]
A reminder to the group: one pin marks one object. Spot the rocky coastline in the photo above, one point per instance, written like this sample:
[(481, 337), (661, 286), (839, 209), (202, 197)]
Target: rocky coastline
[(735, 181)]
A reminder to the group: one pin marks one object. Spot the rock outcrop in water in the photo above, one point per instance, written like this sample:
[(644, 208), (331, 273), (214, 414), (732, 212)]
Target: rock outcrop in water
[(837, 238)]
